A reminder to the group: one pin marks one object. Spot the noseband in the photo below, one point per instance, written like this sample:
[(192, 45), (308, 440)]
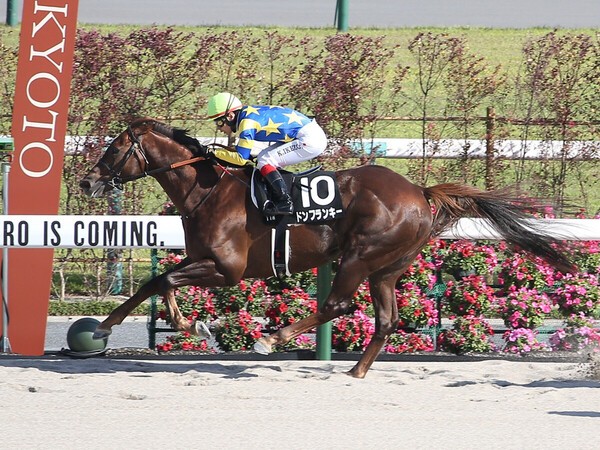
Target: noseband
[(117, 180)]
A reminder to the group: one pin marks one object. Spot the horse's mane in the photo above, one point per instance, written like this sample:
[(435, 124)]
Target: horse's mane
[(179, 135)]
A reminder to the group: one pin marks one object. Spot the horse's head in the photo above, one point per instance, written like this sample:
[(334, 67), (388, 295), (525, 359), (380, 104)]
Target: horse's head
[(145, 148), (125, 159)]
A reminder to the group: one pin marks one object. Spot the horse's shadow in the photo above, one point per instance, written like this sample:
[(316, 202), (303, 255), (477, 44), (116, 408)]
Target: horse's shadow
[(114, 366), (551, 384), (594, 414)]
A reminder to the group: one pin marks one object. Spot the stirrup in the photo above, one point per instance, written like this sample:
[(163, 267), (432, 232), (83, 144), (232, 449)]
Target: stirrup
[(282, 208)]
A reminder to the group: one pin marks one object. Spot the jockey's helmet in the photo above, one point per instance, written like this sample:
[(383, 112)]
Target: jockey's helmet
[(221, 104)]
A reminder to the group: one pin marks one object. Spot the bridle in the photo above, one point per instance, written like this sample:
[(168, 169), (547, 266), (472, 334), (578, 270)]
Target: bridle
[(136, 148), (117, 180)]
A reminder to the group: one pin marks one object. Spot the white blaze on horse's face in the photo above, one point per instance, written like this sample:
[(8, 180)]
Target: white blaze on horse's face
[(95, 189)]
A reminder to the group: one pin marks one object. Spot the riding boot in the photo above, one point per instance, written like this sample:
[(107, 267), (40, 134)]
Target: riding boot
[(282, 202)]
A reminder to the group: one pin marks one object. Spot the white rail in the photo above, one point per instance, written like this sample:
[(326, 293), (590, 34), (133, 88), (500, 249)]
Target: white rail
[(48, 231)]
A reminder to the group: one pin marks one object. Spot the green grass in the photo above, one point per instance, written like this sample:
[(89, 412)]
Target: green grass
[(579, 195), (496, 46)]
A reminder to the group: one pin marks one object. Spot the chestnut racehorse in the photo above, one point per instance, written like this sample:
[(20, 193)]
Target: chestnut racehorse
[(387, 221)]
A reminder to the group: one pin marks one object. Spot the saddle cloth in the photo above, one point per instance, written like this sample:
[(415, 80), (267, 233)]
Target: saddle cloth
[(315, 195), (316, 199)]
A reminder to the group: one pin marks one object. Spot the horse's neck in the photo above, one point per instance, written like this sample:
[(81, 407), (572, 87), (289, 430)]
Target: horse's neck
[(188, 186)]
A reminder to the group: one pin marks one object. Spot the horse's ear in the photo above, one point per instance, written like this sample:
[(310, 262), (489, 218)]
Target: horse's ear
[(143, 125), (148, 124)]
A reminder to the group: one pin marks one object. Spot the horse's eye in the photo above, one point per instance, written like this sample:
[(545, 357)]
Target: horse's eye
[(115, 150)]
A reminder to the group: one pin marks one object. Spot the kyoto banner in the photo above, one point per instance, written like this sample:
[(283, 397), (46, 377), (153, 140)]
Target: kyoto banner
[(39, 123)]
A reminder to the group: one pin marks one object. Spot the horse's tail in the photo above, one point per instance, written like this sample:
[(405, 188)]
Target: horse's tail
[(507, 213)]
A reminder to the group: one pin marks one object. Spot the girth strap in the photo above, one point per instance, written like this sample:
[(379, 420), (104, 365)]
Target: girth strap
[(280, 250)]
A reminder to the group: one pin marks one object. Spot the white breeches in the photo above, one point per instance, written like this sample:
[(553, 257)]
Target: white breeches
[(310, 142)]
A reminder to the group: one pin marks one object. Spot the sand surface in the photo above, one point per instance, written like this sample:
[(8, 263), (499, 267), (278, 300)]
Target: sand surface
[(109, 403)]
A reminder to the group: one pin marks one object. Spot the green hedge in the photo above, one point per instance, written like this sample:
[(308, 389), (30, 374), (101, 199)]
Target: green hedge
[(90, 308)]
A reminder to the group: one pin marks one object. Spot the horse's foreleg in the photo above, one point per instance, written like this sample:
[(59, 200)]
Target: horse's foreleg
[(383, 293), (180, 323), (117, 316), (186, 273)]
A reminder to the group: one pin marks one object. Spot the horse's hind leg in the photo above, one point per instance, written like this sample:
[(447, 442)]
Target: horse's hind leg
[(264, 345), (383, 293), (178, 322), (338, 303), (181, 323)]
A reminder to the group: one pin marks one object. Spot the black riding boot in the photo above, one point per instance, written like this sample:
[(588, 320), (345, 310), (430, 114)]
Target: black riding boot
[(282, 202)]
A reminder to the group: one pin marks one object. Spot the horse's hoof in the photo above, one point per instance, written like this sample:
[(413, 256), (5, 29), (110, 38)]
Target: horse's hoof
[(202, 330), (261, 347), (101, 334), (354, 374)]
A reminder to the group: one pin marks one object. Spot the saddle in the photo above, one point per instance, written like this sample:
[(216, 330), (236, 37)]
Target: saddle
[(316, 198)]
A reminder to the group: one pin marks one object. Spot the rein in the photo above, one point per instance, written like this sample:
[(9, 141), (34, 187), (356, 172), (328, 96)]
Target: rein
[(176, 165), (152, 172), (117, 180)]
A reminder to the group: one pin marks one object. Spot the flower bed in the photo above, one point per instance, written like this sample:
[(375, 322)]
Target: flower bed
[(527, 293)]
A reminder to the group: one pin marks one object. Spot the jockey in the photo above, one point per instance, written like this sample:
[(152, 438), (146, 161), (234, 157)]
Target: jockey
[(294, 137)]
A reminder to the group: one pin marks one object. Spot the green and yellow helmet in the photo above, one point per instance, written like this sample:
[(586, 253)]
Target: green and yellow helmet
[(222, 103)]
